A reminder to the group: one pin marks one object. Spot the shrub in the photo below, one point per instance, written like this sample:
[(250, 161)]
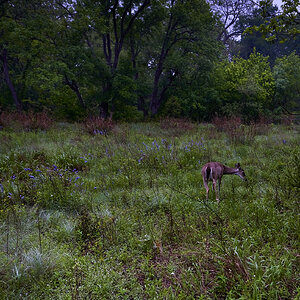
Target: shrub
[(168, 123), (245, 87), (97, 125), (237, 132), (128, 113), (26, 120), (233, 128)]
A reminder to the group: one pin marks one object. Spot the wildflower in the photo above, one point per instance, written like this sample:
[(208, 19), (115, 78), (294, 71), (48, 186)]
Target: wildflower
[(1, 188), (13, 177), (37, 170), (95, 187), (31, 176), (27, 169), (284, 141), (55, 167), (77, 178)]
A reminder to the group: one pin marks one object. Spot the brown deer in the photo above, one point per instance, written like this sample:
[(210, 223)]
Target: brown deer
[(214, 171)]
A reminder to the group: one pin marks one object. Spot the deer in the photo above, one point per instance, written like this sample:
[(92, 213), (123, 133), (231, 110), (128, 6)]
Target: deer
[(214, 171)]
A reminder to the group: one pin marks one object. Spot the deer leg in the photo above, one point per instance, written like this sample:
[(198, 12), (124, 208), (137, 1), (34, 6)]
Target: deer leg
[(219, 186), (206, 187), (216, 191)]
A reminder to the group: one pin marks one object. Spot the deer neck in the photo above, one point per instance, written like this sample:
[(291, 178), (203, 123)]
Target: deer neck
[(230, 171)]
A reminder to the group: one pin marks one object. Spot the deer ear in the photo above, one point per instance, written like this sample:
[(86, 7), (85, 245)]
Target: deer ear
[(237, 165)]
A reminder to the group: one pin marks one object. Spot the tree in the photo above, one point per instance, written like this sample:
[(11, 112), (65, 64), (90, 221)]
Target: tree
[(185, 31), (287, 82), (245, 87), (109, 25), (230, 12), (284, 26), (10, 29), (255, 39)]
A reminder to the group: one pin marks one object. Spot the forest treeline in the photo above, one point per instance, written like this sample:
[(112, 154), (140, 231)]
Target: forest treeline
[(135, 59)]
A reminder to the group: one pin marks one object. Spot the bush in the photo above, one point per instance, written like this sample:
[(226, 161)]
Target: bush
[(128, 113), (97, 125), (167, 123), (26, 120), (237, 132), (245, 87)]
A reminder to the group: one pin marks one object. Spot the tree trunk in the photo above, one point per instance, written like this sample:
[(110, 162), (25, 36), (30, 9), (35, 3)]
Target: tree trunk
[(103, 110), (104, 105), (73, 85), (141, 99), (155, 98), (141, 106), (16, 99)]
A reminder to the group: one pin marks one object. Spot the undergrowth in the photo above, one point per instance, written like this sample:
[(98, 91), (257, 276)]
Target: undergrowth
[(122, 215)]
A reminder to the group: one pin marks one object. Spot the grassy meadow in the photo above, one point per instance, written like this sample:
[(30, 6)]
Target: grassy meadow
[(122, 214)]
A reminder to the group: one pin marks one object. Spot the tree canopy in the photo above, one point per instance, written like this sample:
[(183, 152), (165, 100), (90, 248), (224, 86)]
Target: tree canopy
[(135, 58)]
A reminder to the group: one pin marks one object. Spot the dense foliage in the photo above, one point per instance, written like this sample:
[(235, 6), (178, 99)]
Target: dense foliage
[(283, 25), (109, 207), (120, 213), (140, 58)]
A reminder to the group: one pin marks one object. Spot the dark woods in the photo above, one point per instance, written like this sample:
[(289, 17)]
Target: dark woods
[(133, 59)]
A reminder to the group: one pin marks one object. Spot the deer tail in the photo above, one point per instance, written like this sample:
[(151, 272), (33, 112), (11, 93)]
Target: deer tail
[(207, 173)]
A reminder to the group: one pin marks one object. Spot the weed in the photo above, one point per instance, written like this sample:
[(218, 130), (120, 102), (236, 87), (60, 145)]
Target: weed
[(125, 216), (97, 125), (26, 120)]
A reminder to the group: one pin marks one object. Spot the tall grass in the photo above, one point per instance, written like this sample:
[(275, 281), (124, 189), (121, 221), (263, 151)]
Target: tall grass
[(123, 214)]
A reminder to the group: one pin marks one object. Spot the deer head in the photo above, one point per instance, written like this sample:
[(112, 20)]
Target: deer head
[(240, 172)]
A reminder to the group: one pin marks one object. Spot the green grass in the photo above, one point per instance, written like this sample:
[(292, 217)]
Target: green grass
[(123, 216)]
